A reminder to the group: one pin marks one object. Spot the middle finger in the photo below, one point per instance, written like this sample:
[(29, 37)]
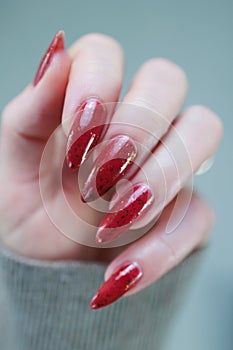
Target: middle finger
[(153, 100)]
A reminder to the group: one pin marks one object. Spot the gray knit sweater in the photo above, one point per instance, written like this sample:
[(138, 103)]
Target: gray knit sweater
[(45, 306)]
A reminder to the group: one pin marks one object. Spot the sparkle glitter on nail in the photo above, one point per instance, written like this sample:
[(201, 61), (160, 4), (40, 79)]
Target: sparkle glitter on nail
[(88, 127), (125, 278), (132, 205), (112, 164)]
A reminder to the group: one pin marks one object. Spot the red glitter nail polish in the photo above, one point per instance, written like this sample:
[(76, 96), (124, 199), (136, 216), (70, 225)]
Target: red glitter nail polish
[(113, 163), (56, 45), (85, 132), (124, 213), (118, 284)]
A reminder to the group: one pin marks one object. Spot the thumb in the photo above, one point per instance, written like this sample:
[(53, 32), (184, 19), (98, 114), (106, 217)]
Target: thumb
[(29, 120)]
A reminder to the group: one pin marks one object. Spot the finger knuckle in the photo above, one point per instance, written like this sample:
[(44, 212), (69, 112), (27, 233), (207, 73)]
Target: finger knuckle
[(204, 115), (6, 111), (6, 117), (166, 65), (98, 41)]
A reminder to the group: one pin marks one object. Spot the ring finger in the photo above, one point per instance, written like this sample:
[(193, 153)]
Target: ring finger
[(192, 139)]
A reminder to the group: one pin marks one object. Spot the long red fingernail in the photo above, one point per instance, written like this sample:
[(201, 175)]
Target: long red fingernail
[(113, 163), (124, 213), (56, 45), (85, 132), (118, 284)]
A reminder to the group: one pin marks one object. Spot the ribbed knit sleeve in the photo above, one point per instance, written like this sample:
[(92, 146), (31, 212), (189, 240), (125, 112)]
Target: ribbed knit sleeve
[(45, 306)]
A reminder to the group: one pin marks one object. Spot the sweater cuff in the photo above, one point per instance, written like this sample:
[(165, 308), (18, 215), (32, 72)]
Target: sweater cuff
[(45, 305)]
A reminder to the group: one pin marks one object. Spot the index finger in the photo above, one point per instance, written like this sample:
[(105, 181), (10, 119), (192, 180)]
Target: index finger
[(95, 80)]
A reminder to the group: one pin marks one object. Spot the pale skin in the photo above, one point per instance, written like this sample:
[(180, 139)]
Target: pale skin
[(93, 66)]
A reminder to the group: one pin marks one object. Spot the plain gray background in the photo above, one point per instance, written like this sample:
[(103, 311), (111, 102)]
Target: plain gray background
[(198, 36)]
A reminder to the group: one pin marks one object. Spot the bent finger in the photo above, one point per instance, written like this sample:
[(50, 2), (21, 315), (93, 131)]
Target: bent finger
[(94, 87), (145, 114), (180, 153), (149, 258)]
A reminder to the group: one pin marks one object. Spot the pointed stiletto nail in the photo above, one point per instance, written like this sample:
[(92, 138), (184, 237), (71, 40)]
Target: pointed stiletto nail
[(117, 285), (112, 164), (56, 45), (85, 132), (124, 213)]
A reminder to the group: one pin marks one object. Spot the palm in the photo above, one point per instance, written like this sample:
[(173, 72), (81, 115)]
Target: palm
[(35, 213), (31, 225)]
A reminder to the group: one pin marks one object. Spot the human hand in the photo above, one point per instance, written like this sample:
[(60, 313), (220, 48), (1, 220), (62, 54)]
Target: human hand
[(90, 75)]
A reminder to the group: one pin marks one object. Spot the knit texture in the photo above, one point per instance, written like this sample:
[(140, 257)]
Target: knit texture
[(45, 306)]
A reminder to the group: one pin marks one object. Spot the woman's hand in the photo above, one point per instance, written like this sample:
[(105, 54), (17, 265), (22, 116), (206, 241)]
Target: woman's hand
[(74, 95)]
